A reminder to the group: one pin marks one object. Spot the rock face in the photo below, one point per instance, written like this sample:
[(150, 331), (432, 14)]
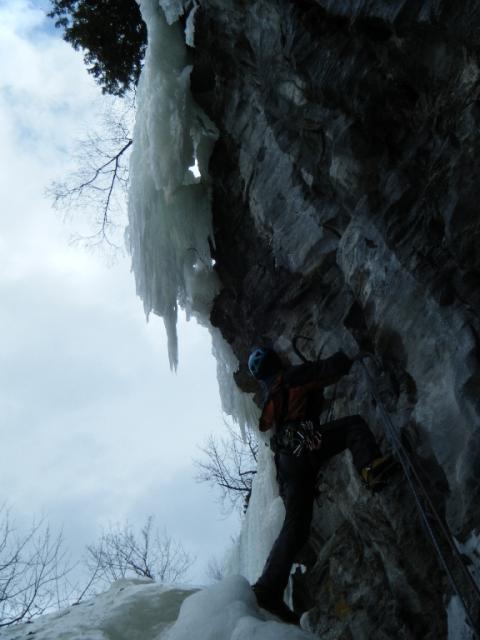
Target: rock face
[(345, 207)]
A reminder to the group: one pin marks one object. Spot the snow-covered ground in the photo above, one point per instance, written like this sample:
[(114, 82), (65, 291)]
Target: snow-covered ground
[(142, 610), (134, 609)]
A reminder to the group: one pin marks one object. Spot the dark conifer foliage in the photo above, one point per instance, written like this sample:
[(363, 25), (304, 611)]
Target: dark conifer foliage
[(113, 35)]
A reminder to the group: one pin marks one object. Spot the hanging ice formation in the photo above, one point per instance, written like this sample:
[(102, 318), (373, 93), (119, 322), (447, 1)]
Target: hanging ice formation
[(169, 232), (169, 208)]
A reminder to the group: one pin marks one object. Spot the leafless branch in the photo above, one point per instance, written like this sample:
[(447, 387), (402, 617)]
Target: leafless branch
[(229, 463), (215, 570), (32, 565), (99, 183), (152, 554)]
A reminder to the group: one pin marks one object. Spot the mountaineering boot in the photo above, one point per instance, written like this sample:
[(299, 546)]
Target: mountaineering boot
[(274, 604), (376, 473)]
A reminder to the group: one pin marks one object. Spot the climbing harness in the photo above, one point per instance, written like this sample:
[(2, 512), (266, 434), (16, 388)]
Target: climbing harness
[(294, 439), (458, 574)]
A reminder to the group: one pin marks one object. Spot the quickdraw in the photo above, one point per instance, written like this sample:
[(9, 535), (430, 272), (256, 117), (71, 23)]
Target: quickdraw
[(296, 438)]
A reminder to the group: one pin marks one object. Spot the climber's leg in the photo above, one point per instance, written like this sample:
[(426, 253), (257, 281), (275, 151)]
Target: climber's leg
[(297, 491)]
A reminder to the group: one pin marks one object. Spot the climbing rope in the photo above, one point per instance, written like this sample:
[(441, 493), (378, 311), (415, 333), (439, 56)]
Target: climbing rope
[(296, 349), (428, 512), (431, 520)]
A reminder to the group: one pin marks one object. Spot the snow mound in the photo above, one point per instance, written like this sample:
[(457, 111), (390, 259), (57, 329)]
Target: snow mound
[(144, 610), (129, 610), (228, 611)]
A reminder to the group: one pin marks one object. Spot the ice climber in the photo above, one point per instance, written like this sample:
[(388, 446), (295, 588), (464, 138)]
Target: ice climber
[(292, 406)]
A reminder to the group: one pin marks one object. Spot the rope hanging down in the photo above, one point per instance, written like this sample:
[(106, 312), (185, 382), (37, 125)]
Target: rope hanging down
[(459, 575), (304, 359)]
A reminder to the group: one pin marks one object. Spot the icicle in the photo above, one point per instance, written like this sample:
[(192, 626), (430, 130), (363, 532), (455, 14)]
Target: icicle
[(190, 26), (169, 210)]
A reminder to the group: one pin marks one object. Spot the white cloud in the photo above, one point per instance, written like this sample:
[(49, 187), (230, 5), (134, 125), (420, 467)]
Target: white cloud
[(39, 68)]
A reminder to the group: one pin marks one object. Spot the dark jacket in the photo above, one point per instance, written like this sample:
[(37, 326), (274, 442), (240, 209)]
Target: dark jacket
[(295, 394)]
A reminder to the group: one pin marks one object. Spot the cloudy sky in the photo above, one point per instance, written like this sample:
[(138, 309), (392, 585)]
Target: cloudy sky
[(95, 429)]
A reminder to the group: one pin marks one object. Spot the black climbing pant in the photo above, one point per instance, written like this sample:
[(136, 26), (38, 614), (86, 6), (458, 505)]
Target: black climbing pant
[(297, 480)]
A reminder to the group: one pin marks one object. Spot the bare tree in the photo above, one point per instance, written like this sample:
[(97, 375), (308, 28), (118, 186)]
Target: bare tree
[(150, 553), (99, 184), (32, 567), (229, 463), (216, 569)]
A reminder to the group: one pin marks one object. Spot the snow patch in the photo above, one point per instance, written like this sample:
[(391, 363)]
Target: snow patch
[(190, 26), (228, 611), (173, 9), (458, 627), (142, 610), (130, 609)]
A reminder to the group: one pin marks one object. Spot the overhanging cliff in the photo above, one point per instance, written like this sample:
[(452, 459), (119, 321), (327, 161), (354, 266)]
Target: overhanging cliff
[(345, 200)]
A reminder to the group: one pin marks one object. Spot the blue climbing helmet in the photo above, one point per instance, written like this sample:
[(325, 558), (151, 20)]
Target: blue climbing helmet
[(263, 363)]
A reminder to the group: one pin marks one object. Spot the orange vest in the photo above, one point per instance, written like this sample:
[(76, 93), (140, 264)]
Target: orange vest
[(290, 404)]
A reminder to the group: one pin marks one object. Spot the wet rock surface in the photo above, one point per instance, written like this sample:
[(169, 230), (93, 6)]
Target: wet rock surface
[(345, 201)]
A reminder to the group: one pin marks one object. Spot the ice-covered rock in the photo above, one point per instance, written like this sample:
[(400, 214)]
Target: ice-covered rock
[(340, 202), (345, 196), (170, 232)]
